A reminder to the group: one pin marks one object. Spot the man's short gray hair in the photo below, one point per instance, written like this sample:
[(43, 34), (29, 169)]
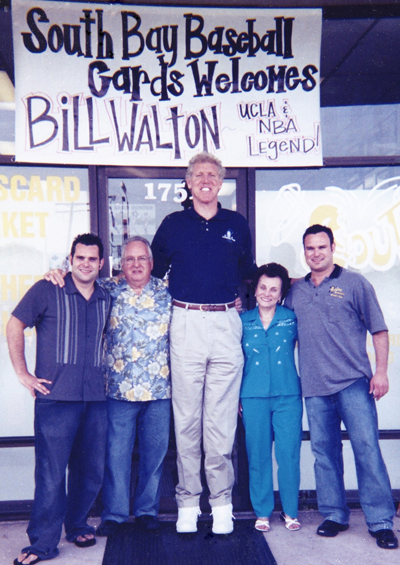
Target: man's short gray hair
[(205, 157), (137, 238)]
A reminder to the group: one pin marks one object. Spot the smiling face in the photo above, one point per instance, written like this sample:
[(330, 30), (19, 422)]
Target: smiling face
[(318, 253), (268, 292), (137, 264), (205, 183), (85, 264)]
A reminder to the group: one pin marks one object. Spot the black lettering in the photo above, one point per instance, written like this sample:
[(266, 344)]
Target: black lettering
[(291, 79), (77, 147), (247, 82), (176, 89), (254, 39), (43, 117), (205, 81), (174, 118), (136, 74), (72, 47), (242, 43), (89, 103), (159, 145), (280, 77), (27, 37), (287, 38), (124, 74), (260, 80), (88, 21), (214, 132), (55, 38), (215, 40), (196, 127), (223, 83), (163, 79), (101, 67), (133, 32), (105, 48), (144, 130), (125, 139), (309, 82), (194, 34), (230, 49)]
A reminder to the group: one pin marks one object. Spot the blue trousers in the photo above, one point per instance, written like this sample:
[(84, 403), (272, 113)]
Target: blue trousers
[(266, 419), (151, 419), (355, 407), (69, 434)]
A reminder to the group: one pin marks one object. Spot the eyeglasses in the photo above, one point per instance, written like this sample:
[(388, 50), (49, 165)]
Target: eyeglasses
[(142, 260)]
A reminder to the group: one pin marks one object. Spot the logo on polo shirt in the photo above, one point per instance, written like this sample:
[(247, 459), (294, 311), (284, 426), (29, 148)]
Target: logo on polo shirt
[(229, 236), (336, 291)]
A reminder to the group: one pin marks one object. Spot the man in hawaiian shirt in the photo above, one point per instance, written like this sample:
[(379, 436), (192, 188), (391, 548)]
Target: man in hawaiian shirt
[(137, 387)]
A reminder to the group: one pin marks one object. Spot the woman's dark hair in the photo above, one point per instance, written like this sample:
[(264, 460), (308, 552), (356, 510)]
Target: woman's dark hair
[(272, 270)]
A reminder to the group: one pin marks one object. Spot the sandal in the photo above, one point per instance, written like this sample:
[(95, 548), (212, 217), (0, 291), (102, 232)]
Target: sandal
[(262, 525), (86, 542), (291, 524), (27, 554)]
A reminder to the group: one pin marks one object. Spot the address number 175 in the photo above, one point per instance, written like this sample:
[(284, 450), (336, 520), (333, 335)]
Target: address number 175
[(165, 187)]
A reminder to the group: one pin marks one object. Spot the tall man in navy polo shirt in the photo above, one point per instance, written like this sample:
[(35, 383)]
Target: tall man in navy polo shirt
[(208, 252), (70, 407), (335, 308)]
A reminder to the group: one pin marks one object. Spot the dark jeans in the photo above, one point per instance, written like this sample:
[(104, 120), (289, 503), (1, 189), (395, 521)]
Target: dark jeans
[(73, 434)]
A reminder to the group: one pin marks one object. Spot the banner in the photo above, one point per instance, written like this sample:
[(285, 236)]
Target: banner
[(152, 86)]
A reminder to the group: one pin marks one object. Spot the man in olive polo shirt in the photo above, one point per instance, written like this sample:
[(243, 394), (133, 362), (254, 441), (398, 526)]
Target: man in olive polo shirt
[(335, 308)]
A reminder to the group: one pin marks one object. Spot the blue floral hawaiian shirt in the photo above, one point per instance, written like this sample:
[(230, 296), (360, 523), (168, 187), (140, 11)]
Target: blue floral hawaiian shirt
[(137, 345)]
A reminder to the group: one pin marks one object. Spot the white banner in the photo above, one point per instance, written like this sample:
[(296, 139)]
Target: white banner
[(152, 86)]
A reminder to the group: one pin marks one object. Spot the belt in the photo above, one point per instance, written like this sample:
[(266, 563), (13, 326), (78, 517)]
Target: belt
[(204, 307)]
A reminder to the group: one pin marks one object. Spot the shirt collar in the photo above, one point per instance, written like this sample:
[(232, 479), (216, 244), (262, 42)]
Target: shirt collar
[(70, 288), (149, 286), (334, 274), (220, 215)]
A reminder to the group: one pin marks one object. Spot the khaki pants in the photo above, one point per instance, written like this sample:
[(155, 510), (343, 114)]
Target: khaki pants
[(206, 371)]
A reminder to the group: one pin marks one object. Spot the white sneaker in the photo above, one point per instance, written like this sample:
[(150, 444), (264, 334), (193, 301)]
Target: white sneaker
[(187, 519), (222, 519)]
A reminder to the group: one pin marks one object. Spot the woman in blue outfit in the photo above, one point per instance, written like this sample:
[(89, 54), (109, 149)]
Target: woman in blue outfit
[(270, 397)]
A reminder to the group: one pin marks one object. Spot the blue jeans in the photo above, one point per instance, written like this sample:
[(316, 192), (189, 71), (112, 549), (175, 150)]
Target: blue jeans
[(152, 422), (73, 434), (356, 408)]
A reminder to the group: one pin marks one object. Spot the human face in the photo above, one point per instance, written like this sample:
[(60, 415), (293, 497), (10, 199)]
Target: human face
[(205, 183), (318, 252), (137, 264), (268, 292), (86, 264)]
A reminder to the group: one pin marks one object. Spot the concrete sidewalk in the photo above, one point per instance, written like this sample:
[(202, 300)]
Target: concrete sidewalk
[(354, 547)]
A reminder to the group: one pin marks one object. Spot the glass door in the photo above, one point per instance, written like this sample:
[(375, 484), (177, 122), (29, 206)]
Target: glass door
[(134, 201), (138, 206)]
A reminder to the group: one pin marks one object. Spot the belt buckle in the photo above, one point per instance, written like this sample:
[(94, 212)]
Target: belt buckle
[(201, 308)]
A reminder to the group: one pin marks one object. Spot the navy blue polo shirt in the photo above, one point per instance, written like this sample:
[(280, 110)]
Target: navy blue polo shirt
[(207, 259), (69, 343)]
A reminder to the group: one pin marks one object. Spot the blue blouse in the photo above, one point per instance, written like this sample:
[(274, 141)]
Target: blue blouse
[(269, 368)]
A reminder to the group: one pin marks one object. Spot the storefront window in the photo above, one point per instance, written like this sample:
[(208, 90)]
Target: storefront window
[(362, 206), (42, 210)]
